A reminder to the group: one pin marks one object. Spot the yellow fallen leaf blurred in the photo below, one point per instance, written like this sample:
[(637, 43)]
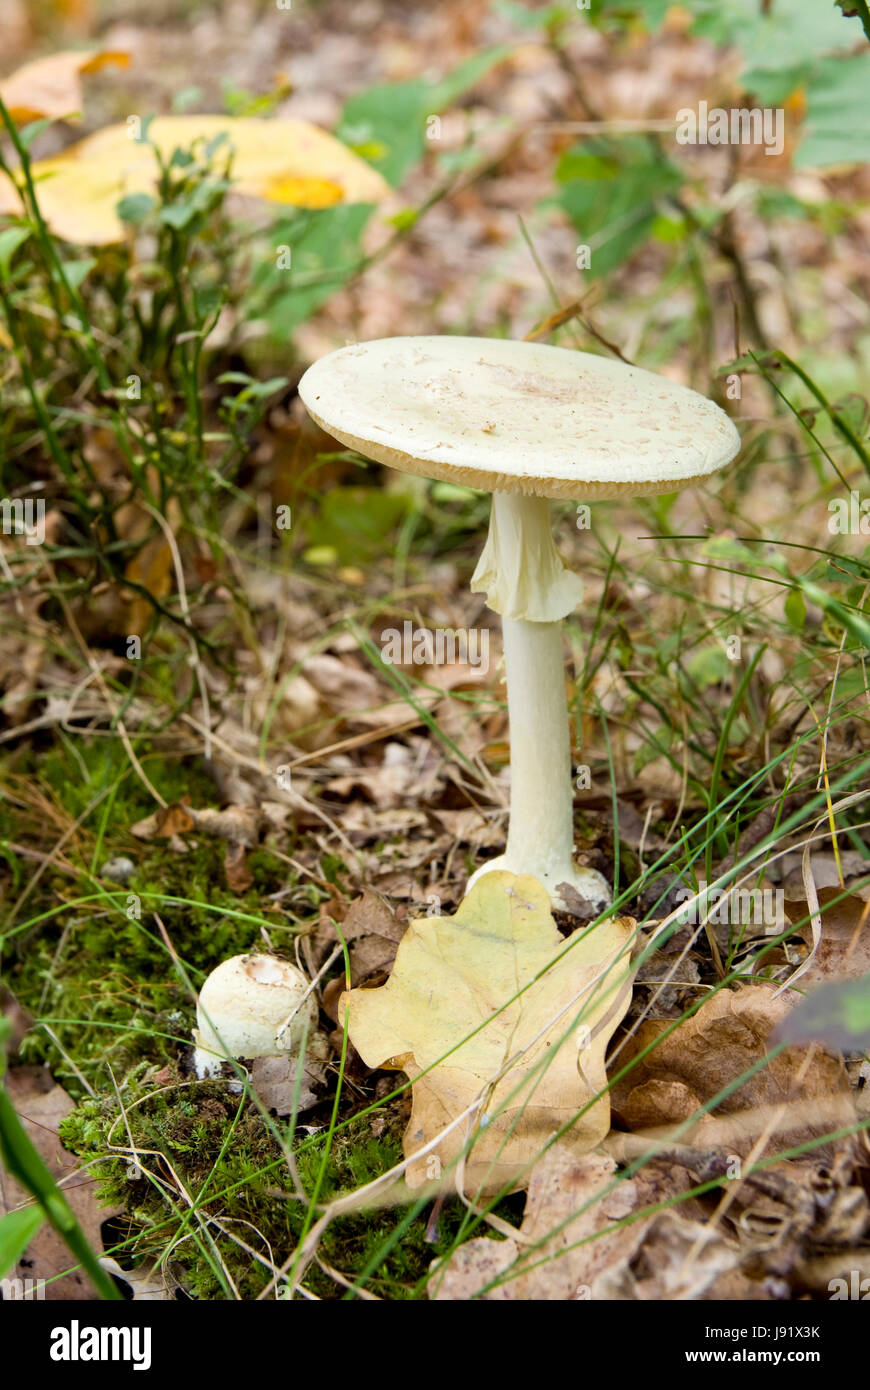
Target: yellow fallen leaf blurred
[(51, 87), (283, 161), (311, 193), (452, 977)]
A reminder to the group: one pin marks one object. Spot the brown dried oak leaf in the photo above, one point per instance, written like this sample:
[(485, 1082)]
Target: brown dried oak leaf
[(709, 1052), (588, 1234)]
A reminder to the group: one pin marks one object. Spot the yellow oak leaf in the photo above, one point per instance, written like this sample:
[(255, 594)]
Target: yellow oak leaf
[(51, 86), (282, 161), (494, 1014)]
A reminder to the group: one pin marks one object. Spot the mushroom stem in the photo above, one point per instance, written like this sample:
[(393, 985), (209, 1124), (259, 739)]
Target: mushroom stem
[(526, 582), (541, 831)]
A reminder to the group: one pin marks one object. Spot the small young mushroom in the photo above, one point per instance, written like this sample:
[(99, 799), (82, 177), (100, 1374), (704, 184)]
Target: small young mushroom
[(526, 422), (252, 1006)]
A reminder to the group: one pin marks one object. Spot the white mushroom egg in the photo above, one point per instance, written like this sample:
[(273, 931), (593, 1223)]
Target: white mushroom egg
[(252, 1006)]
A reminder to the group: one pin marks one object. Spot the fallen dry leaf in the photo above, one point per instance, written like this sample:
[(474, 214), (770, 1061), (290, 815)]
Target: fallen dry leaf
[(275, 1079), (676, 1259), (582, 1239), (373, 932), (239, 826), (51, 87), (707, 1053), (843, 951), (406, 773), (282, 161), (238, 875), (42, 1106), (444, 1018), (471, 827), (828, 871), (801, 1202), (346, 687), (165, 822)]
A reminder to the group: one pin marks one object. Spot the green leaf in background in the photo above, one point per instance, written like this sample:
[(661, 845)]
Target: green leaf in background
[(354, 522), (837, 1014), (613, 194), (856, 9), (661, 740), (709, 666), (17, 1230), (452, 492), (10, 240), (728, 548), (784, 47), (797, 43), (392, 121), (669, 229), (135, 207), (579, 164), (185, 99), (393, 117), (545, 18), (832, 132), (796, 610), (75, 271), (254, 389), (776, 203), (325, 253), (653, 12), (792, 34), (404, 219), (835, 612), (28, 133), (178, 215)]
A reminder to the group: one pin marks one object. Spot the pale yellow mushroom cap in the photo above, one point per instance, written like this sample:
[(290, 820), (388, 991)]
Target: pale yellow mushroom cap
[(509, 416)]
